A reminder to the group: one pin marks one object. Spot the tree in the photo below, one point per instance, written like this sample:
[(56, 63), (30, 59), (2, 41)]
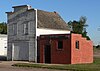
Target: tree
[(3, 28), (79, 27), (98, 46)]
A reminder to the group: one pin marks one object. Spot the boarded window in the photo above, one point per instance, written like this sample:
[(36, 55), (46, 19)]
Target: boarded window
[(77, 44), (15, 28), (26, 28), (60, 44)]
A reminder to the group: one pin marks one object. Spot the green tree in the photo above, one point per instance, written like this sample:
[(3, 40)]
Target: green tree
[(3, 28), (79, 27)]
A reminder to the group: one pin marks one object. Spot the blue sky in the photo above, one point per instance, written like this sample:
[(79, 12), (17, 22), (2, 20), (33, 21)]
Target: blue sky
[(68, 9)]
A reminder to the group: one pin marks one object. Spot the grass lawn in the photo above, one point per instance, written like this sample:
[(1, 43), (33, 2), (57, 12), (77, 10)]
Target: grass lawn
[(75, 67)]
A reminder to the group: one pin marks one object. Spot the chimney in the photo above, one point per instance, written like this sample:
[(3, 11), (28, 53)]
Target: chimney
[(17, 8)]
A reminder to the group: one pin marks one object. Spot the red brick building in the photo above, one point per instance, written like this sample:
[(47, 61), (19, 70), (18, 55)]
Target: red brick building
[(64, 49)]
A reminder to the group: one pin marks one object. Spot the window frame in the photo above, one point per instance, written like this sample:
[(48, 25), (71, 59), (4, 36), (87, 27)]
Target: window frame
[(60, 44), (25, 28), (77, 44), (15, 29)]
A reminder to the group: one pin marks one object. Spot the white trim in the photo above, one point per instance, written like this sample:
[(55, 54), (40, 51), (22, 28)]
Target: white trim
[(44, 31), (12, 51), (53, 29), (36, 38), (36, 22)]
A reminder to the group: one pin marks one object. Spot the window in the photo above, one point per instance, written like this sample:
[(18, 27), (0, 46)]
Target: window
[(26, 28), (15, 28), (60, 44), (77, 44)]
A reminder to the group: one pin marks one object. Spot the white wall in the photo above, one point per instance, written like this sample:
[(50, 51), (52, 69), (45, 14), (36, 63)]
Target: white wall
[(40, 31), (3, 44)]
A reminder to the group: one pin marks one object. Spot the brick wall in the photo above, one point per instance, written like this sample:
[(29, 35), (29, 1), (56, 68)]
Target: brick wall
[(61, 56), (85, 52), (69, 54), (58, 56)]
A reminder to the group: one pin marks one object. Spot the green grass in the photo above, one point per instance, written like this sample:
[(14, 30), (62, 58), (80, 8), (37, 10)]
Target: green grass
[(70, 67)]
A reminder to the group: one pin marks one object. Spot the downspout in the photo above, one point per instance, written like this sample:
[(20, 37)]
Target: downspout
[(71, 47), (12, 51), (36, 36)]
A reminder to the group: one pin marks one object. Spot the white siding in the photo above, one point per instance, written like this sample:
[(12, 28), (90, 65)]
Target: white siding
[(3, 45), (50, 31)]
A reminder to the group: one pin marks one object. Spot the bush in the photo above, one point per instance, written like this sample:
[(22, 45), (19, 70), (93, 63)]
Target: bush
[(98, 46)]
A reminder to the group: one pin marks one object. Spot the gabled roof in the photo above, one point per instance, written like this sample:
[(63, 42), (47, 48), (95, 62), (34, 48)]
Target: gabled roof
[(50, 20)]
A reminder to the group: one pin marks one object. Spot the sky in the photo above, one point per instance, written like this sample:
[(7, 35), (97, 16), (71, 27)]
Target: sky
[(68, 9)]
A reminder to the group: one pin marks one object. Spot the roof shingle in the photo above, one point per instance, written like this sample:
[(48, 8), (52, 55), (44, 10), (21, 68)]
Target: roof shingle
[(50, 20)]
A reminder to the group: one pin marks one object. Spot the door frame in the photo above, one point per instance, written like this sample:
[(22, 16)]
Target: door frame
[(47, 51)]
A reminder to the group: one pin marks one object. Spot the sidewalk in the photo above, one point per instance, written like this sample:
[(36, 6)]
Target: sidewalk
[(10, 63), (7, 66)]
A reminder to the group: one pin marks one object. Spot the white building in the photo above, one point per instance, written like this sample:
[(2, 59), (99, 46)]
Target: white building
[(24, 25), (3, 45)]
